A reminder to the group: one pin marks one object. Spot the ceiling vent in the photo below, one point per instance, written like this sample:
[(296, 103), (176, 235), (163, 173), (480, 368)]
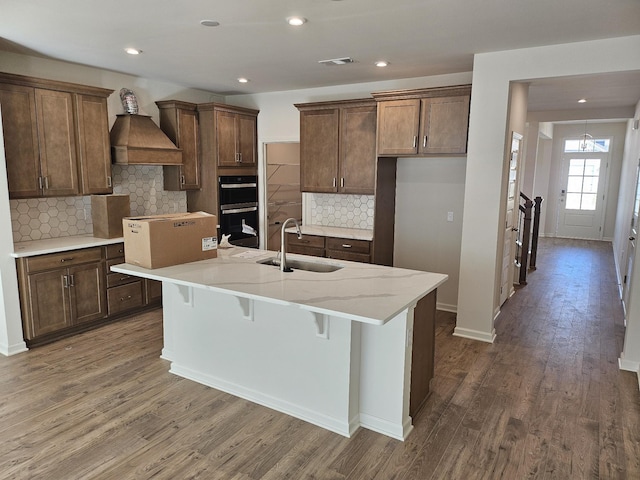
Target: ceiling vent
[(337, 61)]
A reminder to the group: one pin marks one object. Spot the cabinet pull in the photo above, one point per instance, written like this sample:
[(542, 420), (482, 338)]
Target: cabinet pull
[(240, 157), (65, 281), (109, 182), (342, 182), (40, 184), (346, 245), (126, 277), (124, 299), (62, 260), (334, 182), (415, 141), (72, 282), (424, 142), (46, 182), (181, 179)]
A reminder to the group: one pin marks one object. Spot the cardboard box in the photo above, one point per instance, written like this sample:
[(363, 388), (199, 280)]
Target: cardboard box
[(107, 212), (162, 240)]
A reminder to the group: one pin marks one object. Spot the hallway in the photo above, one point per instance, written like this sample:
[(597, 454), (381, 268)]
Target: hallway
[(547, 399)]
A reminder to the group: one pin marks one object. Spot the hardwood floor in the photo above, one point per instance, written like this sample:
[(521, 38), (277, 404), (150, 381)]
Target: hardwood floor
[(545, 401)]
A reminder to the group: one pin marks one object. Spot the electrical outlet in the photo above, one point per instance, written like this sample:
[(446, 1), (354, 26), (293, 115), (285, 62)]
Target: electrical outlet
[(449, 216)]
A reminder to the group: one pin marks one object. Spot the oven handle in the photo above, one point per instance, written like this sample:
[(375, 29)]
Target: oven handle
[(238, 185), (239, 210)]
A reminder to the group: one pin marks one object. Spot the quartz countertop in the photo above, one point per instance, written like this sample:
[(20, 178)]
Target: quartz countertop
[(61, 244), (339, 232), (359, 291)]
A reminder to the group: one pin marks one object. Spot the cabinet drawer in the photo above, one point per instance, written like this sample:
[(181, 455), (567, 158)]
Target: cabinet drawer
[(304, 250), (349, 256), (125, 297), (114, 279), (348, 245), (306, 240), (63, 259), (115, 250)]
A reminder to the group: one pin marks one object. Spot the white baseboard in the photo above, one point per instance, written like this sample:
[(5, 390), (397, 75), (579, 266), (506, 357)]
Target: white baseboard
[(345, 428), (446, 307), (384, 427), (628, 365), (8, 350), (487, 337)]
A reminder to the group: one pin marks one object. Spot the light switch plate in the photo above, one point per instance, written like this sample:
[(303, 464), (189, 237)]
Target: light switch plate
[(449, 216)]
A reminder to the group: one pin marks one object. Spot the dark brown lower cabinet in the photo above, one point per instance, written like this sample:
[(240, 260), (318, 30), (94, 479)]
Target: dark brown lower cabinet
[(422, 357), (330, 247), (68, 292)]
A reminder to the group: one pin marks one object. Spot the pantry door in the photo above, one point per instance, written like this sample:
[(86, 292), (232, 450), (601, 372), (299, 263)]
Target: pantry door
[(583, 190)]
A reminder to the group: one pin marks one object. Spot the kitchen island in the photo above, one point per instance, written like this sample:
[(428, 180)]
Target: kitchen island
[(331, 348)]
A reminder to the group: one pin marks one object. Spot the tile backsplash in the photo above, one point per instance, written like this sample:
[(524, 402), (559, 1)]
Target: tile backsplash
[(52, 217), (349, 211)]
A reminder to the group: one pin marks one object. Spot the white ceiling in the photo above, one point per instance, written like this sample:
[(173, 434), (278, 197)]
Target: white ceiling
[(253, 40)]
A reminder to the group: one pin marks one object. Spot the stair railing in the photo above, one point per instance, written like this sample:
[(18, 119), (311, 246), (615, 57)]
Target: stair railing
[(528, 232)]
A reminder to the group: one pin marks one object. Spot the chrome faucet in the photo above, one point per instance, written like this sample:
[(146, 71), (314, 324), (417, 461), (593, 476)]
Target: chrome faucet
[(283, 250)]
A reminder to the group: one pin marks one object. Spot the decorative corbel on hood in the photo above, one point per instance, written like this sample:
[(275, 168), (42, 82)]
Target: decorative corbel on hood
[(136, 140)]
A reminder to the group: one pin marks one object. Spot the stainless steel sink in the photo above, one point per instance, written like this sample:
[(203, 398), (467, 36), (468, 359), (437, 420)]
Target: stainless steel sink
[(303, 265)]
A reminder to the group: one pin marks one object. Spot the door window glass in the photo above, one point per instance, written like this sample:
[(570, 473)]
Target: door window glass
[(582, 184)]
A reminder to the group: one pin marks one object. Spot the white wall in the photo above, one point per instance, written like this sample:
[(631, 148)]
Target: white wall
[(424, 240), (599, 130), (427, 189), (482, 200), (630, 356), (147, 92)]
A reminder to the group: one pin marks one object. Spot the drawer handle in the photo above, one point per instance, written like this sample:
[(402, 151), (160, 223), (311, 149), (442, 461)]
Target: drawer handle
[(66, 259), (125, 277), (346, 245), (123, 299)]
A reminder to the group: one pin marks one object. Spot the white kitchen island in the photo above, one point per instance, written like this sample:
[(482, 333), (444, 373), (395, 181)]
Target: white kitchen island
[(334, 349)]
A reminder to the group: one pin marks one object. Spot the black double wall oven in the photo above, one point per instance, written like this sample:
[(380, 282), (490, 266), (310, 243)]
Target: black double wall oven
[(238, 197)]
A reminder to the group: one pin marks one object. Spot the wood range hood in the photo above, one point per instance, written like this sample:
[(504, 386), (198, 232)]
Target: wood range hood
[(136, 140)]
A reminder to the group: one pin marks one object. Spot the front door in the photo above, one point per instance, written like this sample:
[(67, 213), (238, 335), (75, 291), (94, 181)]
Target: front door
[(583, 192)]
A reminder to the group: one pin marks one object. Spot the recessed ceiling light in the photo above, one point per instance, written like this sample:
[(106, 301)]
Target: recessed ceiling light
[(381, 63), (209, 23), (296, 21), (243, 80), (132, 51), (582, 100)]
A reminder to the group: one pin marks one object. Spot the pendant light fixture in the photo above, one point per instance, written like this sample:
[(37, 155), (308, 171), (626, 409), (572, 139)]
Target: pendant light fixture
[(585, 138)]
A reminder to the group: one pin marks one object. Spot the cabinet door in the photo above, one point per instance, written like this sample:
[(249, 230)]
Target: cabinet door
[(94, 149), (20, 140), (398, 122), (180, 123), (88, 297), (189, 142), (56, 139), (49, 303), (444, 125), (247, 126), (226, 139), (358, 150), (319, 132)]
